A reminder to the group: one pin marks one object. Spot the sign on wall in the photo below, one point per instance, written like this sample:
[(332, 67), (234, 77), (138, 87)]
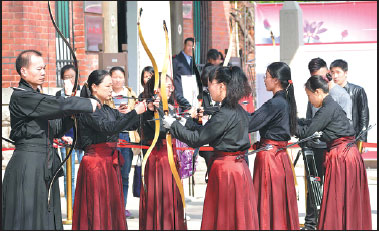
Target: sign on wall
[(94, 32)]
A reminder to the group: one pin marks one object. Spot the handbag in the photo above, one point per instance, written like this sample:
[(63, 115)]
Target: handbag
[(137, 179)]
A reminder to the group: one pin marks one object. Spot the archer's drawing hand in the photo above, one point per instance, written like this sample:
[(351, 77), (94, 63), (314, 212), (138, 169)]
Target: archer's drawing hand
[(167, 121)]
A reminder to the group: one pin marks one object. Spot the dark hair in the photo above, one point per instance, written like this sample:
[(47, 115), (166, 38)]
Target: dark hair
[(113, 69), (221, 56), (213, 54), (148, 91), (208, 68), (282, 72), (339, 64), (23, 59), (65, 68), (235, 80), (316, 64), (148, 69), (189, 39), (96, 77), (317, 82)]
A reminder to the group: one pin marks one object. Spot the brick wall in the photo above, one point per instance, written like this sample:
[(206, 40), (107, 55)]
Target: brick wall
[(219, 25), (27, 25)]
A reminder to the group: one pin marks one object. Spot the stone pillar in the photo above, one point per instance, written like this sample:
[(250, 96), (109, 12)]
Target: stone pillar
[(291, 31), (131, 19), (176, 11), (110, 26)]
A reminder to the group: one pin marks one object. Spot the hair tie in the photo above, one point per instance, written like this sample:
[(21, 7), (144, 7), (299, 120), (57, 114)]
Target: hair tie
[(325, 79), (290, 82)]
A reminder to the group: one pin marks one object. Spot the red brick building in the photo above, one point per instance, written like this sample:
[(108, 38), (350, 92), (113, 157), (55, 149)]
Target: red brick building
[(27, 25)]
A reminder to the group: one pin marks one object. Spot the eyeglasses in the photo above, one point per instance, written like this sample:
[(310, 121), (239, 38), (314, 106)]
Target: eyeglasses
[(170, 87)]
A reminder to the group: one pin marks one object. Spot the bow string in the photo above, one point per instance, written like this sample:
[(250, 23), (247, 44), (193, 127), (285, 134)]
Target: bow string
[(156, 114), (170, 153), (73, 94)]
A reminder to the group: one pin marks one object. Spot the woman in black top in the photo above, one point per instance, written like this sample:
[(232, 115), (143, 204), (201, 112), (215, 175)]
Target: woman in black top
[(99, 199), (346, 200), (230, 202), (273, 175)]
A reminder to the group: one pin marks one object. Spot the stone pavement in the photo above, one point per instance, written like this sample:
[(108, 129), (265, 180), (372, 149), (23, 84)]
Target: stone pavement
[(195, 204)]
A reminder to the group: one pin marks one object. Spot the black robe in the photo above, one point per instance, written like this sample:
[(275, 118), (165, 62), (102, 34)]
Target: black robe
[(331, 119), (272, 118), (35, 120), (226, 131), (104, 125)]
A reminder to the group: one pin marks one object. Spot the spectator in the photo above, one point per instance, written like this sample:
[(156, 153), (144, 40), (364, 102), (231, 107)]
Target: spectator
[(213, 57), (68, 77), (123, 105), (358, 96), (183, 66)]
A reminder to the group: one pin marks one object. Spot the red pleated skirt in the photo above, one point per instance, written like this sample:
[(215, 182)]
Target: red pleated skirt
[(275, 187), (99, 198), (346, 200), (230, 202), (161, 206)]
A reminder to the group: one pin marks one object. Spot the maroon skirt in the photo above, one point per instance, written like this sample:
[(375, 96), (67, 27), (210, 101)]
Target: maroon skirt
[(99, 199), (275, 186), (161, 205), (346, 200), (230, 202)]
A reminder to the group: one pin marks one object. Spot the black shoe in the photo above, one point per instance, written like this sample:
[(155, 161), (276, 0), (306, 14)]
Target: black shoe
[(308, 228)]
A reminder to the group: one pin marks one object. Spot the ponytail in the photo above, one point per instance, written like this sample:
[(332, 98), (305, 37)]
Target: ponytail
[(85, 92), (290, 96), (282, 72)]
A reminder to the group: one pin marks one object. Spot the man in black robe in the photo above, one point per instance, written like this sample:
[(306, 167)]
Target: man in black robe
[(36, 119)]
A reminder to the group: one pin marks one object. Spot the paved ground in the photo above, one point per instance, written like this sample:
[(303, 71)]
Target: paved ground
[(195, 203)]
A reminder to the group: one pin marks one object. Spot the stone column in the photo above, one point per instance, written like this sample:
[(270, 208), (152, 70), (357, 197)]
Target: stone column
[(110, 26), (291, 31)]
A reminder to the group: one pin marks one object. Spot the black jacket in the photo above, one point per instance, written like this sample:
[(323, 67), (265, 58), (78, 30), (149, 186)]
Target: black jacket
[(181, 67), (360, 108)]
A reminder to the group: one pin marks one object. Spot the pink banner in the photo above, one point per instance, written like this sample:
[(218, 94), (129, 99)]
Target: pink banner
[(336, 22)]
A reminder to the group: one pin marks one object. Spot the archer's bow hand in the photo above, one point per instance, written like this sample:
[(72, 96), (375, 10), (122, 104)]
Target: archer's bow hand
[(156, 102), (318, 134), (167, 121)]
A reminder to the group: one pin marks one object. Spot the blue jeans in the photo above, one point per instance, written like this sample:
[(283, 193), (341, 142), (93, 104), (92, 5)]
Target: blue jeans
[(80, 154), (127, 153)]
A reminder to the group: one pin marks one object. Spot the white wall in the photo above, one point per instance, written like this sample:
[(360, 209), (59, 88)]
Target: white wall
[(362, 61), (152, 18)]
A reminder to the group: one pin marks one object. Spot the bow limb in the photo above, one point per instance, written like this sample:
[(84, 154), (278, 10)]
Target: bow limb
[(156, 114), (73, 94), (229, 53), (198, 80), (170, 153)]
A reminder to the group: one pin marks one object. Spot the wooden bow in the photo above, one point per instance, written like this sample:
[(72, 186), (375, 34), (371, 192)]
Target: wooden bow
[(156, 114), (170, 153), (229, 53), (73, 94)]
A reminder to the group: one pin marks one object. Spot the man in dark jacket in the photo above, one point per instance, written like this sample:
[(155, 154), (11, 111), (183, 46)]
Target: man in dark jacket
[(182, 65), (358, 95)]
